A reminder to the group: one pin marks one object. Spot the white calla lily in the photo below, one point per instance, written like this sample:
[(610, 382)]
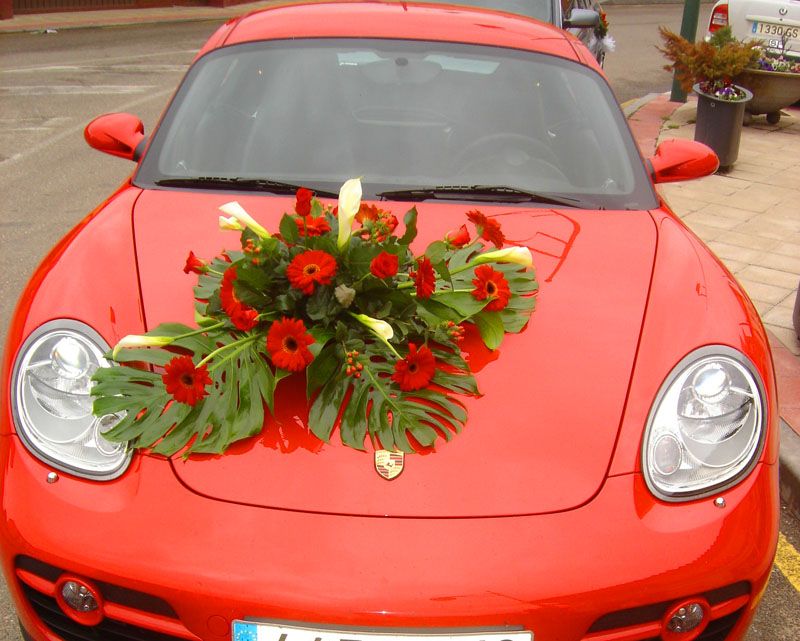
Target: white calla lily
[(236, 211), (229, 224), (349, 204), (519, 255), (134, 340), (380, 328)]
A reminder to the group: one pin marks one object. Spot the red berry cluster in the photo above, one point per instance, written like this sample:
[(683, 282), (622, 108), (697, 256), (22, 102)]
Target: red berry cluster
[(354, 368)]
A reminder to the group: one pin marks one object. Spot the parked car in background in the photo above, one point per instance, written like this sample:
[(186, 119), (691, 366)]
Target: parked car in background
[(776, 23), (582, 18)]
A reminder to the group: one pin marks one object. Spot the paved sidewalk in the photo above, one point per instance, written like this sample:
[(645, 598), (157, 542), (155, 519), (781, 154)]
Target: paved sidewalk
[(750, 217)]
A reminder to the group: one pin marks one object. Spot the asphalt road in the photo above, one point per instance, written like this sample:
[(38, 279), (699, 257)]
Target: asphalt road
[(51, 85)]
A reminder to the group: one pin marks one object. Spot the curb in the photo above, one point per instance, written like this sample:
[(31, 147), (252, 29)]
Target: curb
[(632, 106)]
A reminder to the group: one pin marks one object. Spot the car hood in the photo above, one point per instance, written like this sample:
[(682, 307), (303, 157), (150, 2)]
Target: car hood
[(539, 438)]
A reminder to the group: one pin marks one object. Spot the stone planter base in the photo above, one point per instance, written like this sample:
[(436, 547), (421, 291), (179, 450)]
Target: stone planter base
[(772, 91)]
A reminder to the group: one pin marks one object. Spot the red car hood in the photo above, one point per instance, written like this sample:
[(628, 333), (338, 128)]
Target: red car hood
[(541, 436)]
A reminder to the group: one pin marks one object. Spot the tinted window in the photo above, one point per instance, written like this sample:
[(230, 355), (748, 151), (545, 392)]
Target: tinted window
[(402, 115)]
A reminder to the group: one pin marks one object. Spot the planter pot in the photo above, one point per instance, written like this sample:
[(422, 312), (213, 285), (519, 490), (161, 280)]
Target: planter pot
[(719, 125), (772, 91)]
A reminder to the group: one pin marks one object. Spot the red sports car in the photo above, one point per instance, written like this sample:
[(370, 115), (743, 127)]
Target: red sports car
[(601, 468)]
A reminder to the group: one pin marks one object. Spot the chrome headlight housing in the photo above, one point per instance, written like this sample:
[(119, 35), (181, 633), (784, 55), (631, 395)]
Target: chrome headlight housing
[(52, 402), (707, 425)]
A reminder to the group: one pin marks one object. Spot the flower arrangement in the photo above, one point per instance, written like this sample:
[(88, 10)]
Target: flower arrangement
[(607, 42), (712, 65), (336, 295), (768, 61)]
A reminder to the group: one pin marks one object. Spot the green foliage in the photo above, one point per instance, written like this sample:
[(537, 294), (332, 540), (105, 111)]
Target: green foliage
[(706, 62), (349, 380)]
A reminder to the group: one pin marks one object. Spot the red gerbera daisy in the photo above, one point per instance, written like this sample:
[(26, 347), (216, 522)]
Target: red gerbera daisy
[(490, 283), (384, 265), (488, 228), (242, 316), (310, 226), (416, 370), (184, 381), (424, 277), (312, 267), (287, 344), (303, 203)]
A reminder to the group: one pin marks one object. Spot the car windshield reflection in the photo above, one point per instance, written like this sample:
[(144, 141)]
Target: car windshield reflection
[(403, 115)]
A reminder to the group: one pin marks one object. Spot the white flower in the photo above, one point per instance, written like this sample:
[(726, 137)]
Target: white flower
[(134, 340), (349, 204), (380, 328), (609, 44), (345, 295), (519, 255), (237, 212), (229, 224)]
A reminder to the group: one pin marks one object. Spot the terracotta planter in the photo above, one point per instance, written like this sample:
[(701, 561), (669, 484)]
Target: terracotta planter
[(772, 91), (719, 125)]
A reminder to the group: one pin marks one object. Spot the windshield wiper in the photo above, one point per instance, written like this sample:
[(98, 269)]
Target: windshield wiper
[(243, 184), (500, 193)]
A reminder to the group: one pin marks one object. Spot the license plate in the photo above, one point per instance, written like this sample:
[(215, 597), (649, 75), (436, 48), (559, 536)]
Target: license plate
[(774, 33), (266, 631)]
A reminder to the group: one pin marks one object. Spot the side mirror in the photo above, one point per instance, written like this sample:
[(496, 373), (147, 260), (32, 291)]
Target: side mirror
[(582, 18), (682, 160), (117, 134)]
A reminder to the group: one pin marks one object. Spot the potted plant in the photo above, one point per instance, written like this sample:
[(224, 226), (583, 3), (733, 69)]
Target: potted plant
[(774, 80), (709, 69)]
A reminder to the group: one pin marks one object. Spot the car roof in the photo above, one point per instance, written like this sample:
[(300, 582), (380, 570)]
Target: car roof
[(396, 20)]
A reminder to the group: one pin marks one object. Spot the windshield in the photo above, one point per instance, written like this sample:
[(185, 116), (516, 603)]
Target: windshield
[(539, 9), (403, 115)]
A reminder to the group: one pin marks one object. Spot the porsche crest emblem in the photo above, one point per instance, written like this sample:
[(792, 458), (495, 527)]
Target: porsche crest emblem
[(389, 464)]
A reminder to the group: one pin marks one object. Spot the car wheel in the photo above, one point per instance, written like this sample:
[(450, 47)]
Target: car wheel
[(774, 117)]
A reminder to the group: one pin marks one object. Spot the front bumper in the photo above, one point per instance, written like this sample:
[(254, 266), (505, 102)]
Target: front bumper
[(596, 572)]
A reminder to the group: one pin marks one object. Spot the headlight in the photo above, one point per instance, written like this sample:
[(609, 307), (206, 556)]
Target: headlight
[(52, 403), (706, 427)]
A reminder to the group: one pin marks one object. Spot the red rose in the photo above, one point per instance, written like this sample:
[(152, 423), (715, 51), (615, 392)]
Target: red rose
[(384, 265), (458, 238), (303, 203)]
